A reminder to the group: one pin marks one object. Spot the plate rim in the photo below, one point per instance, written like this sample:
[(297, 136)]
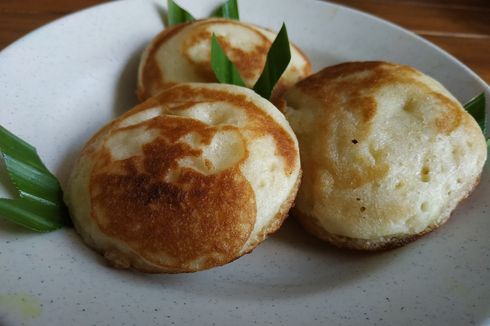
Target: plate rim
[(472, 74)]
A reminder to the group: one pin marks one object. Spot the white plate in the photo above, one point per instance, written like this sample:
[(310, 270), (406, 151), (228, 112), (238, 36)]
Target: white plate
[(61, 83)]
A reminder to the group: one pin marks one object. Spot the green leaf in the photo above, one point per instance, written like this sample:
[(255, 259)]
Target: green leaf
[(176, 14), (228, 10), (278, 59), (476, 107), (31, 215), (40, 206), (14, 146), (30, 182), (224, 70)]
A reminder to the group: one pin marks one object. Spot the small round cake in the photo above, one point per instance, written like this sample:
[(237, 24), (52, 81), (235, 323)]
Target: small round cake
[(182, 53), (387, 153), (188, 180)]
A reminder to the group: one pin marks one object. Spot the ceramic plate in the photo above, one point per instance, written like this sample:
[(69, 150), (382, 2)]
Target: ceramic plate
[(61, 83)]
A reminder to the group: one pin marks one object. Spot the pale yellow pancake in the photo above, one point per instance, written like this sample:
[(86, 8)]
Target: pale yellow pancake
[(190, 179), (182, 53), (387, 153)]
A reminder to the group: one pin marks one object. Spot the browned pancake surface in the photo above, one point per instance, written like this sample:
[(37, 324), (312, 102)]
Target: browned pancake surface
[(176, 217)]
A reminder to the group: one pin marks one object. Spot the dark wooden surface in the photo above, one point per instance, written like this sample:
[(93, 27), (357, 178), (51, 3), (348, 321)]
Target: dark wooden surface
[(461, 27)]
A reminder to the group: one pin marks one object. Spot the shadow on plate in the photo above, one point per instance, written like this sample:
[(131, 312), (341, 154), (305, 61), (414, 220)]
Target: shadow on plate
[(163, 13), (125, 95), (290, 264)]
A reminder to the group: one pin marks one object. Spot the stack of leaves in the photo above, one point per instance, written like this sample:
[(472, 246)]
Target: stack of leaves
[(40, 205)]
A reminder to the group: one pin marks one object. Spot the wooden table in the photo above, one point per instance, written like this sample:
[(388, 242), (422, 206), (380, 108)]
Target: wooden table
[(462, 27)]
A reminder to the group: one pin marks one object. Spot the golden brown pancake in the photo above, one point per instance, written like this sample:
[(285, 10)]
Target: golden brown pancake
[(387, 153), (188, 180), (181, 54)]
